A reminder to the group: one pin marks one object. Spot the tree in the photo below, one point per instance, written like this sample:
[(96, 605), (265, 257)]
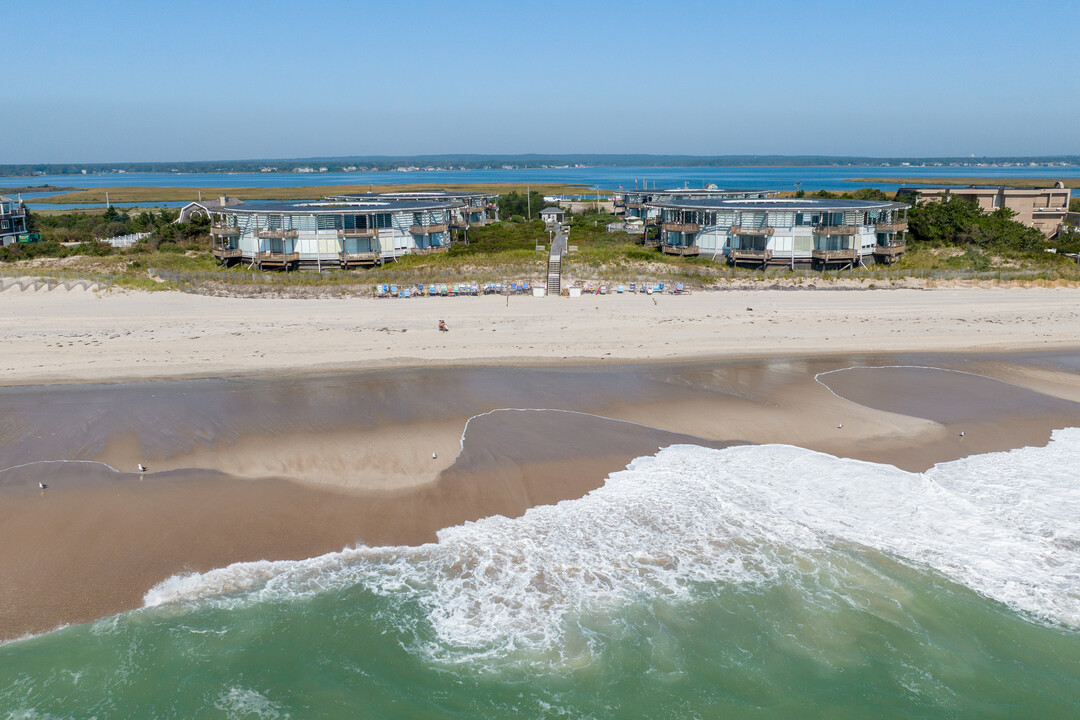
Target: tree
[(518, 203)]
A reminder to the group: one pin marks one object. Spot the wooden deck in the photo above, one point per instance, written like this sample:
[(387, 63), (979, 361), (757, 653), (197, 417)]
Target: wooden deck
[(225, 230), (430, 250), (224, 254), (834, 257), (682, 250), (750, 257), (835, 229), (899, 226), (765, 230), (276, 260), (368, 259), (357, 233), (276, 233), (888, 253), (681, 227), (427, 229)]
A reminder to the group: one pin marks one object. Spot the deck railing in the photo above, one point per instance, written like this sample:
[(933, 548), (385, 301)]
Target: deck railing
[(835, 229), (430, 250), (829, 256), (890, 250), (276, 233), (226, 253), (226, 230), (683, 250), (898, 226), (427, 229), (363, 258), (357, 233), (682, 227), (757, 256), (276, 258), (765, 230)]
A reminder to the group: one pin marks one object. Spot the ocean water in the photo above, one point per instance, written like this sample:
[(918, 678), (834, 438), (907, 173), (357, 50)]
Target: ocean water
[(751, 582)]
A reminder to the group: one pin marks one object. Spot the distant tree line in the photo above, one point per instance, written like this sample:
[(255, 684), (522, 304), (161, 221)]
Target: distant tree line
[(475, 162)]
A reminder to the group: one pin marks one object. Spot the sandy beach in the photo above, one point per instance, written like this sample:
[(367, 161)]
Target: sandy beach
[(282, 429), (78, 336)]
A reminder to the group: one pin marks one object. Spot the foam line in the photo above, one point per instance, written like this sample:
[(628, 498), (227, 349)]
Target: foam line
[(46, 462), (465, 430), (817, 377)]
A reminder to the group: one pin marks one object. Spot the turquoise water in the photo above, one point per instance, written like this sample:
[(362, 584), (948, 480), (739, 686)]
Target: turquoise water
[(758, 582)]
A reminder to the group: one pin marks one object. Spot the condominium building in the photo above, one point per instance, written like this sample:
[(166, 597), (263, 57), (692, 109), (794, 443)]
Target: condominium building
[(1041, 208), (762, 232)]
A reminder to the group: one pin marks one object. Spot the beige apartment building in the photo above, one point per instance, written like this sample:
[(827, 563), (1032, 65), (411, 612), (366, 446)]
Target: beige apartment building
[(1041, 208)]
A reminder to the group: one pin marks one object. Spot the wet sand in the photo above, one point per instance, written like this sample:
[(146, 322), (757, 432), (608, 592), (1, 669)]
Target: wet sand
[(291, 467)]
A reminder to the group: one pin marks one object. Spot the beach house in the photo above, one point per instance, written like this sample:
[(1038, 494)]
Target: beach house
[(761, 232), (552, 215), (12, 220), (329, 233)]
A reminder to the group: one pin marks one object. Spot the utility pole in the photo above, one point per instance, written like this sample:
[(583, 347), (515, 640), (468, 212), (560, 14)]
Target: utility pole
[(528, 199)]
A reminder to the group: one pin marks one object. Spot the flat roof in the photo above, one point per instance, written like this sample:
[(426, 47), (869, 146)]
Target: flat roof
[(414, 195), (336, 207), (796, 204)]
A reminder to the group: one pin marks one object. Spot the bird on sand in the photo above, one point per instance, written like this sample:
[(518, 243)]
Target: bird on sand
[(434, 455), (143, 468), (42, 485), (840, 426), (961, 433)]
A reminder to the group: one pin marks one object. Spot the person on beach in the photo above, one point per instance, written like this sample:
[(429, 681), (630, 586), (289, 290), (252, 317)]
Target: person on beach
[(442, 326)]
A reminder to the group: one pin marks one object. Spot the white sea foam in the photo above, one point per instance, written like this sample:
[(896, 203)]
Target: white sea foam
[(1006, 525)]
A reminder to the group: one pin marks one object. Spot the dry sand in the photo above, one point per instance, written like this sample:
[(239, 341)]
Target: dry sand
[(277, 461), (77, 335)]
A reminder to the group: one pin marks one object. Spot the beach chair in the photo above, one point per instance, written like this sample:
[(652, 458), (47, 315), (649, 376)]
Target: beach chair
[(393, 291), (661, 290), (678, 288), (406, 293), (420, 289), (620, 290), (632, 288)]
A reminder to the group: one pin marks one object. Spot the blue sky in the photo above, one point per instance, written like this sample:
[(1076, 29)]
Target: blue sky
[(121, 80)]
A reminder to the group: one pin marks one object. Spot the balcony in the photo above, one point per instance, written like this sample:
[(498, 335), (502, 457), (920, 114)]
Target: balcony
[(226, 253), (683, 227), (226, 230), (890, 251), (898, 226), (357, 233), (276, 234), (276, 259), (430, 250), (834, 256), (761, 230), (635, 205), (427, 229), (359, 259), (835, 229), (681, 250), (757, 257)]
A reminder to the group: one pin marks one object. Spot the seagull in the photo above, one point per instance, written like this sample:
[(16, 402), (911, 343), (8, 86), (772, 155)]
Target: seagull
[(840, 426), (143, 468), (42, 485), (434, 456), (961, 433), (749, 309)]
